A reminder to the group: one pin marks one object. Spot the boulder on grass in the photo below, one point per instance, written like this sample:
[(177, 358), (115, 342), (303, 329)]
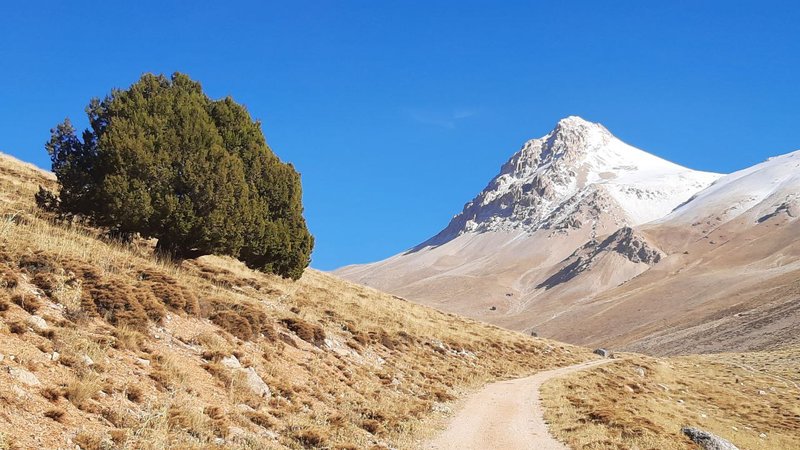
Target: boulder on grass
[(706, 440), (603, 352)]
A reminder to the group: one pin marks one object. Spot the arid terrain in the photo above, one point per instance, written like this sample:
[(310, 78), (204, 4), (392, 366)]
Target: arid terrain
[(105, 346), (750, 399)]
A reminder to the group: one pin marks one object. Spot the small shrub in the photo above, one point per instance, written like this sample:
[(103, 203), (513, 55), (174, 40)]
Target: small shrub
[(233, 323), (261, 419), (17, 327), (170, 292), (134, 394), (55, 414), (82, 389), (52, 394), (27, 302), (371, 426), (311, 438), (168, 371), (127, 338), (306, 331), (8, 279), (92, 441)]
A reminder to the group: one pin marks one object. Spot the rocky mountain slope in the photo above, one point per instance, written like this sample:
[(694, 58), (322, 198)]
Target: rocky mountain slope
[(730, 280), (586, 239), (575, 176)]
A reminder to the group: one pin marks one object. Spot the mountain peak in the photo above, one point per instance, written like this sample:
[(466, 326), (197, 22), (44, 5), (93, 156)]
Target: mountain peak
[(576, 175)]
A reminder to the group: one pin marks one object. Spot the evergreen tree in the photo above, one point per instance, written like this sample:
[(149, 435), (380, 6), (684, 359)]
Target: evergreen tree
[(163, 160)]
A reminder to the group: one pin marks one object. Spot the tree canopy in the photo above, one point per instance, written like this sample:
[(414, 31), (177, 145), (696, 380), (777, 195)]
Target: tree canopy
[(164, 160)]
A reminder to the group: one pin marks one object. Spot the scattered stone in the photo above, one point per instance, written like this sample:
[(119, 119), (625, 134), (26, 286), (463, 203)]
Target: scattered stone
[(441, 408), (24, 377), (640, 371), (603, 352), (236, 431), (231, 362), (2, 357), (629, 389), (706, 440), (663, 386), (760, 392), (245, 408), (54, 356), (37, 323), (19, 392), (142, 362), (493, 308), (87, 360), (762, 436), (680, 402), (256, 384)]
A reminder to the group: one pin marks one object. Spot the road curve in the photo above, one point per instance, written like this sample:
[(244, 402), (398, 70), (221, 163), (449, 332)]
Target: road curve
[(506, 415)]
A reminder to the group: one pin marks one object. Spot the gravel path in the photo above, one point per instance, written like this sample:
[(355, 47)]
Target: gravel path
[(506, 415)]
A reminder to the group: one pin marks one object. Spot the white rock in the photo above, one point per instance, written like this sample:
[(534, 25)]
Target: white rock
[(142, 362), (760, 392), (231, 362), (2, 357), (640, 371), (87, 360), (245, 408), (762, 436), (37, 323), (256, 384), (24, 377), (54, 356)]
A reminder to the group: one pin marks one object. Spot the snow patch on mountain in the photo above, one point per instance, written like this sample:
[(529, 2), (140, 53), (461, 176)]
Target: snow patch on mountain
[(770, 187), (578, 167)]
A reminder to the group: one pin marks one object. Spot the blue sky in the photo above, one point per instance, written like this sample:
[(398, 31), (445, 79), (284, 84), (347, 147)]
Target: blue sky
[(398, 112)]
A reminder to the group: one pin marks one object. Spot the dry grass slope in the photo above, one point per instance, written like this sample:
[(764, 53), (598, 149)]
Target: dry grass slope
[(105, 346), (751, 399)]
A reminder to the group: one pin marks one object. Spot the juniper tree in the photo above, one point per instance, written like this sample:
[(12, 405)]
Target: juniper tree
[(162, 159)]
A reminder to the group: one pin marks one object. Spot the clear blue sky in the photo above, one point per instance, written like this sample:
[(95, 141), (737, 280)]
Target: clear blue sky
[(398, 112)]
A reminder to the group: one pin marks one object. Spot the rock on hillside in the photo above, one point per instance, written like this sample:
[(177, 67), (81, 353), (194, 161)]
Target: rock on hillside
[(625, 242)]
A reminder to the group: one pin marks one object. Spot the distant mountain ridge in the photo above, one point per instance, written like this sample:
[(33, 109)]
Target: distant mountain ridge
[(579, 233)]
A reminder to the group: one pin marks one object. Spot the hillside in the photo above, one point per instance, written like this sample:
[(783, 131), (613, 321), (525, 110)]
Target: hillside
[(102, 345), (585, 239), (750, 399)]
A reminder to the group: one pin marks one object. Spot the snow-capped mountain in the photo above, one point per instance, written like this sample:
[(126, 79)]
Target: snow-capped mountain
[(589, 240), (575, 175), (768, 188)]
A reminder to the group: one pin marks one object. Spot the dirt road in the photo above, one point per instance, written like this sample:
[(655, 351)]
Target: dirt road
[(504, 416)]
